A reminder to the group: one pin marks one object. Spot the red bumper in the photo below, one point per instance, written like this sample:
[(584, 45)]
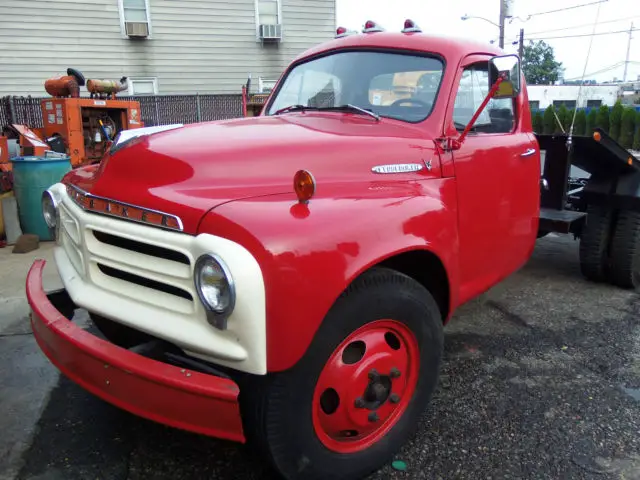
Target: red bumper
[(158, 391)]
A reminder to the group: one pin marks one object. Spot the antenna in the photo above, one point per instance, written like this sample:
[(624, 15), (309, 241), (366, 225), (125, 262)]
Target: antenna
[(626, 62), (584, 73)]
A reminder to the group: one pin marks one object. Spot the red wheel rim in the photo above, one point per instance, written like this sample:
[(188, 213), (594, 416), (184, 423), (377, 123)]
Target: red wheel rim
[(365, 386)]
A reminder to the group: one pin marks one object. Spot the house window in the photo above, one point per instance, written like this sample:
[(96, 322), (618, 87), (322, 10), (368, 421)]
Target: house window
[(594, 103), (143, 86), (570, 104), (268, 12), (134, 18), (534, 104)]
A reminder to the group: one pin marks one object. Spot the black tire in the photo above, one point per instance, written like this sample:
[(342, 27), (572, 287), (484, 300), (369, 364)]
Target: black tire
[(625, 250), (277, 409), (594, 244)]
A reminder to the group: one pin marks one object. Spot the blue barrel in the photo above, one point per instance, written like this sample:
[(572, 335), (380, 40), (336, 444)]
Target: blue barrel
[(31, 177)]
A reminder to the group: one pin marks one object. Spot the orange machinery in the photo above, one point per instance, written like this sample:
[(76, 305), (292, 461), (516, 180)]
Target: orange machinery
[(83, 127)]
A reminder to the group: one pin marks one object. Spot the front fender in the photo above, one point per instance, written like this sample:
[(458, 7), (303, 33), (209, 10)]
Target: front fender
[(309, 254)]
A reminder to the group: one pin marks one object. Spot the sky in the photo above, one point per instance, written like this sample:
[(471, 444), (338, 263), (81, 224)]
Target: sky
[(608, 51)]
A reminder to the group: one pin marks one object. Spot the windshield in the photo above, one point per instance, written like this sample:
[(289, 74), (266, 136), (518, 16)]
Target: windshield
[(391, 85)]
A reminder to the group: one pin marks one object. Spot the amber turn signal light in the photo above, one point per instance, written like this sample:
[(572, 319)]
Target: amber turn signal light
[(597, 136), (304, 185)]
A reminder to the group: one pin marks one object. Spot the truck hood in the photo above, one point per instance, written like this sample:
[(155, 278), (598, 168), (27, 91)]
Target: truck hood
[(190, 170)]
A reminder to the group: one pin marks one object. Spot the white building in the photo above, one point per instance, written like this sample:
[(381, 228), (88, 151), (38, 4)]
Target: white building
[(541, 96), (163, 46)]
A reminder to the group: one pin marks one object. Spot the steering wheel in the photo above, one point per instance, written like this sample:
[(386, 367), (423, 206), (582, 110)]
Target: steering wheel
[(410, 100)]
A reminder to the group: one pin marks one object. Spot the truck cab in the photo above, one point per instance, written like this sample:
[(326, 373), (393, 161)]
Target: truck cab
[(285, 279)]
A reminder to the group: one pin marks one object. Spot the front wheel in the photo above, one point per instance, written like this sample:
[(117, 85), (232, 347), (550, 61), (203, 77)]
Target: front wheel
[(358, 393)]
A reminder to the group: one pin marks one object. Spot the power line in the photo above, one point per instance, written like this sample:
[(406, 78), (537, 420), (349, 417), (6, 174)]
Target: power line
[(583, 25), (583, 35), (603, 70), (565, 8)]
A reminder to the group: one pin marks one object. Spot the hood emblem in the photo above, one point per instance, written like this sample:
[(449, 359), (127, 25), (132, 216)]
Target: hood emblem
[(427, 163), (397, 168)]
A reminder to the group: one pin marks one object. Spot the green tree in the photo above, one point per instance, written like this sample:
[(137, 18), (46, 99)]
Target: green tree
[(591, 121), (562, 113), (615, 120), (602, 118), (549, 120), (627, 127), (580, 127), (636, 137), (538, 122), (569, 119), (539, 64)]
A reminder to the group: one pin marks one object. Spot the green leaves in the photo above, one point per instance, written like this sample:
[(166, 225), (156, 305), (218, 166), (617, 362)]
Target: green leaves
[(539, 64)]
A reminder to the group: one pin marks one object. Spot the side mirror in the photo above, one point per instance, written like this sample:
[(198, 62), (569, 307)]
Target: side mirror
[(507, 67)]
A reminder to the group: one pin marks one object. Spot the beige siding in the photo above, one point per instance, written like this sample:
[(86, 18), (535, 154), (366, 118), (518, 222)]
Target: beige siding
[(205, 46)]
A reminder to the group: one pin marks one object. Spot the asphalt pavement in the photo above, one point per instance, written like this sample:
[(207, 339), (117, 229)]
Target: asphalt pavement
[(541, 379)]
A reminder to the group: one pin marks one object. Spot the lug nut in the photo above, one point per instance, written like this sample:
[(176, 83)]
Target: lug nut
[(373, 417), (373, 374), (359, 403), (394, 398), (395, 373)]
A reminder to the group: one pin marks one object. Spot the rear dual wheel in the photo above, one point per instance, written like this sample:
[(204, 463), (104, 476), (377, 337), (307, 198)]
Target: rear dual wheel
[(610, 247), (625, 250), (358, 393)]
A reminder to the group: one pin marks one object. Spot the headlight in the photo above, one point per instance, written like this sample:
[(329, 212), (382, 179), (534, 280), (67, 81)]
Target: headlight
[(49, 209), (215, 288)]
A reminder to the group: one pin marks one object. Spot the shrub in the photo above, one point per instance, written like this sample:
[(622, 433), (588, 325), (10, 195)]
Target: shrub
[(549, 120), (627, 126), (636, 137), (538, 122), (602, 118), (580, 127), (563, 113), (591, 121), (569, 119), (615, 121)]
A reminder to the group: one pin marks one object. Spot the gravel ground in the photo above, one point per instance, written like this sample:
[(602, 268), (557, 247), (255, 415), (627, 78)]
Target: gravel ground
[(541, 380)]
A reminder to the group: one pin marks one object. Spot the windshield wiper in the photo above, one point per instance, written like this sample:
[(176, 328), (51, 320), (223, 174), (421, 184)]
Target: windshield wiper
[(293, 108), (346, 107), (353, 108)]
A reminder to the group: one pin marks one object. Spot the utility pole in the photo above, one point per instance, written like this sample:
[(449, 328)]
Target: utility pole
[(503, 12), (626, 63), (521, 45)]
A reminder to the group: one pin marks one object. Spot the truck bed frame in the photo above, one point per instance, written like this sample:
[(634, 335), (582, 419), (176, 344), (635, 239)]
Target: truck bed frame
[(612, 186)]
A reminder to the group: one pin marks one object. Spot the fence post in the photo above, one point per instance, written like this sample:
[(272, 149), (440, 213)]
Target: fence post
[(199, 118), (12, 111)]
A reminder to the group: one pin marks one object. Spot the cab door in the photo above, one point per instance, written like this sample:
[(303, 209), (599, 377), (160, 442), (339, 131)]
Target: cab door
[(497, 172)]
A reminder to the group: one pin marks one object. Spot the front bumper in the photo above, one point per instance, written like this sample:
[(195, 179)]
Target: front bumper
[(154, 390)]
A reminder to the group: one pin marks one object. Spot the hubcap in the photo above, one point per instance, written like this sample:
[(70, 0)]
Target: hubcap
[(365, 386)]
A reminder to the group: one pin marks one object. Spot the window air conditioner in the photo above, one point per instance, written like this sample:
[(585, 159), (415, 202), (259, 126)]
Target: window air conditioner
[(137, 29), (271, 32)]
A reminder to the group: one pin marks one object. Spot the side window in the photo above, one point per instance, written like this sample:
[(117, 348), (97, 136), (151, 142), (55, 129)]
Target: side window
[(497, 117)]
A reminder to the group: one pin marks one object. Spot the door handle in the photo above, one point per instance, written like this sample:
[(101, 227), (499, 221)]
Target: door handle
[(528, 152)]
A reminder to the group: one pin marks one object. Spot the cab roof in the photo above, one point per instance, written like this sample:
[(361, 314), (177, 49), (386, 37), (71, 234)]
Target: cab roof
[(451, 48)]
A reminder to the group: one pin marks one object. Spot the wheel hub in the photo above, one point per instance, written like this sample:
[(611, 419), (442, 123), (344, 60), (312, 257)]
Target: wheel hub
[(365, 386)]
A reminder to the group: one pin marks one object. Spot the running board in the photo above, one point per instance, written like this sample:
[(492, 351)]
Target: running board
[(561, 221)]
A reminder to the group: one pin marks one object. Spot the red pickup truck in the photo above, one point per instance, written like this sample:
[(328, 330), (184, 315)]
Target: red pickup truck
[(284, 279)]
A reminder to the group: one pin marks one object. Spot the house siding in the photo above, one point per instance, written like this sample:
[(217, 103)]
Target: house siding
[(196, 46)]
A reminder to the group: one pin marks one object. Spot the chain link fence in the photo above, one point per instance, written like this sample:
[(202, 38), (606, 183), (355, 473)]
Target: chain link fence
[(154, 109)]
